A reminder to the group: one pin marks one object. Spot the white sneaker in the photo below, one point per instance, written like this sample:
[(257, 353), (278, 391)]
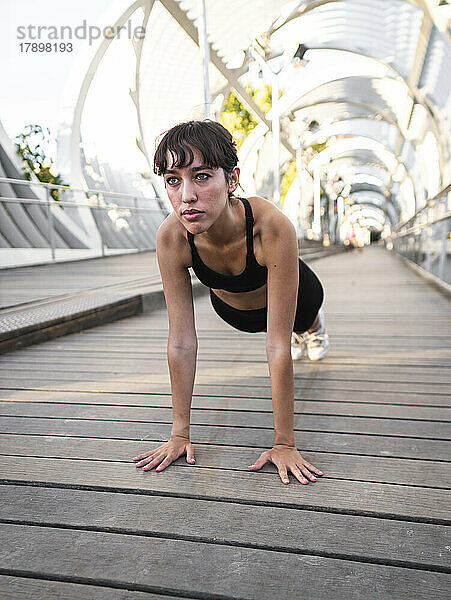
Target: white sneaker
[(318, 341), (297, 346)]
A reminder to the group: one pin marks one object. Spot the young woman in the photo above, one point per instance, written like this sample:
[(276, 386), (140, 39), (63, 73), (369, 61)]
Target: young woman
[(246, 252)]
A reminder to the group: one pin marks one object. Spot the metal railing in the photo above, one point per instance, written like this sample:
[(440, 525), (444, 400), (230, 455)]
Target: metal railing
[(425, 237), (120, 221)]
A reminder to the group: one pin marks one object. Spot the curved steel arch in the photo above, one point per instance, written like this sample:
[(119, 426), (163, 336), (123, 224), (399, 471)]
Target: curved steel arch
[(386, 210), (423, 42), (417, 96), (356, 160), (377, 117), (383, 211), (385, 118), (389, 117), (303, 8), (375, 110), (232, 75), (368, 187)]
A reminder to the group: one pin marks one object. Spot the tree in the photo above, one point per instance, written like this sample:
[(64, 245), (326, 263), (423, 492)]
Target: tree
[(288, 177), (30, 147), (237, 119)]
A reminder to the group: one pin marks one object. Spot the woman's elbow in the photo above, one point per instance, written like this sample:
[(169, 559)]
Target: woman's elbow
[(278, 348), (185, 344)]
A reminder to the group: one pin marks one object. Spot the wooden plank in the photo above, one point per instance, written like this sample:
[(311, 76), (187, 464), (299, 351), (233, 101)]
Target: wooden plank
[(379, 485), (370, 318), (207, 394), (27, 284), (160, 382), (374, 445), (306, 531), (180, 566), (369, 344), (323, 372), (342, 466), (385, 362), (426, 505), (41, 355), (12, 588), (230, 418), (257, 374), (343, 408), (155, 345)]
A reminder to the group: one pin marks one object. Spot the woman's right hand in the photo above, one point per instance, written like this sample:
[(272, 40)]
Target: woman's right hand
[(165, 454)]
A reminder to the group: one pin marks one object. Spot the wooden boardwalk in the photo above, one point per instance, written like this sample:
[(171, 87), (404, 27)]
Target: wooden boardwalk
[(24, 285), (79, 521)]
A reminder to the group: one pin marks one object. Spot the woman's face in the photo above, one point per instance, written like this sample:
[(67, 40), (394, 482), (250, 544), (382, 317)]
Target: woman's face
[(198, 193)]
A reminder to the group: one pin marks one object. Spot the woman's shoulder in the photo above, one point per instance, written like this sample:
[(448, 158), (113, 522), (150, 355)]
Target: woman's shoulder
[(275, 230), (172, 236), (259, 202), (267, 216)]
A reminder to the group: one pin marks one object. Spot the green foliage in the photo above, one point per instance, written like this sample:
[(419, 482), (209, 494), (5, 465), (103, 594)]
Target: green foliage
[(262, 97), (237, 119), (310, 151), (30, 146), (320, 146), (290, 174), (287, 179)]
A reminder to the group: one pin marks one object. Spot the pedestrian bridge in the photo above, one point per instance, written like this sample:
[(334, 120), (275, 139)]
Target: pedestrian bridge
[(79, 520), (356, 142)]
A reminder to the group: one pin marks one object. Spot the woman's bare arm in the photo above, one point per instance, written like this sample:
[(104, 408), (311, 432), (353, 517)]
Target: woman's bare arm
[(279, 242), (182, 343), (280, 248), (182, 338)]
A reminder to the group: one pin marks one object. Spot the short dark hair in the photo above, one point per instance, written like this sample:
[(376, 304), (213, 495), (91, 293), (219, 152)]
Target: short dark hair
[(210, 138)]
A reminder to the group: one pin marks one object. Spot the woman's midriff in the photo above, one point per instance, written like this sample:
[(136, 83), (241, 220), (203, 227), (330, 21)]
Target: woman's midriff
[(244, 300)]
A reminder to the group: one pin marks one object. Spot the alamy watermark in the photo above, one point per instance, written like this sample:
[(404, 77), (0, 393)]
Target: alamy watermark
[(51, 37)]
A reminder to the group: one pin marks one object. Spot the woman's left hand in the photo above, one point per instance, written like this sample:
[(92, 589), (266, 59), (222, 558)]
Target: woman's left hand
[(287, 457)]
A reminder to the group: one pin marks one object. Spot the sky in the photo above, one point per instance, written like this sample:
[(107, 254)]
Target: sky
[(33, 84)]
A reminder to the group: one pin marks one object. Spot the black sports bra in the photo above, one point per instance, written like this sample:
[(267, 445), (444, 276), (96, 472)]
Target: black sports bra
[(254, 275)]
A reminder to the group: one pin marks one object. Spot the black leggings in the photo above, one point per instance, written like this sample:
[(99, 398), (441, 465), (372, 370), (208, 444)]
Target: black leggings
[(310, 298)]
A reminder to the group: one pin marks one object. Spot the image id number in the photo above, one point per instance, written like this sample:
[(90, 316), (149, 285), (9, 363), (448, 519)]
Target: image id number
[(48, 47)]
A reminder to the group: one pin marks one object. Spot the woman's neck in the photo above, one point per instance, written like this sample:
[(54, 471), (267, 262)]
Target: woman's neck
[(228, 228)]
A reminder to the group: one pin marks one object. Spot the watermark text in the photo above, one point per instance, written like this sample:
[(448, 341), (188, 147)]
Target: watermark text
[(65, 33)]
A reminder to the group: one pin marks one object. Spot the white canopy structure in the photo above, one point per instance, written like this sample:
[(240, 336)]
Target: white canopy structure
[(381, 113), (389, 120)]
